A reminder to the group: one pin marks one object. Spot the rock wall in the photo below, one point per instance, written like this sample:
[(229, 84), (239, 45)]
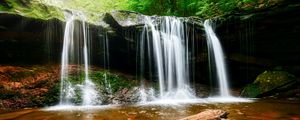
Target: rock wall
[(29, 41), (253, 42), (261, 41)]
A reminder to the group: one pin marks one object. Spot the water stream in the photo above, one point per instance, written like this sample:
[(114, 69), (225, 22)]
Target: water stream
[(67, 90), (216, 57), (260, 110)]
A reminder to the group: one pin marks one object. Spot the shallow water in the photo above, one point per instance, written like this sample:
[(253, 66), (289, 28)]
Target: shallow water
[(261, 110)]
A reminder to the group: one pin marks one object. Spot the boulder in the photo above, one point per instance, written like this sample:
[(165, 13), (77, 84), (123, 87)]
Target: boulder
[(267, 82)]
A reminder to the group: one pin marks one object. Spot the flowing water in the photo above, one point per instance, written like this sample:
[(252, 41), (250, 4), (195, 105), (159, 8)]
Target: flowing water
[(166, 41), (216, 57), (106, 63), (68, 90), (259, 110)]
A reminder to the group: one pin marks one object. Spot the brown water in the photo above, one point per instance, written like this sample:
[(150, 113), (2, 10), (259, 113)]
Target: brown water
[(259, 110)]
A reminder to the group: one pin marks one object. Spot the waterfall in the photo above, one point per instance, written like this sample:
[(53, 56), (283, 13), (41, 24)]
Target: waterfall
[(90, 94), (216, 56), (67, 91), (166, 42), (106, 63)]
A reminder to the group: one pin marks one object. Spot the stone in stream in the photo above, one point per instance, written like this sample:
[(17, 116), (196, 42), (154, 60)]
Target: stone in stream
[(208, 115)]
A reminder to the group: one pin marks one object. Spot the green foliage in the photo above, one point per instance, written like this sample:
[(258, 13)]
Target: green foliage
[(203, 8), (248, 1)]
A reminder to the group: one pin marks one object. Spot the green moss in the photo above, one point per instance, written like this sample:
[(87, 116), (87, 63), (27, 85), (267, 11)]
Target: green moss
[(269, 80), (103, 80), (32, 8), (116, 81), (52, 96), (251, 91)]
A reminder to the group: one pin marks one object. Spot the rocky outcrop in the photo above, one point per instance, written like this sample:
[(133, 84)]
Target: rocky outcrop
[(39, 86), (129, 18), (124, 96), (28, 40), (261, 40)]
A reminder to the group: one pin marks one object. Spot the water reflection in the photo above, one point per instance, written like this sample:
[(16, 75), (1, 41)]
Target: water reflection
[(270, 109)]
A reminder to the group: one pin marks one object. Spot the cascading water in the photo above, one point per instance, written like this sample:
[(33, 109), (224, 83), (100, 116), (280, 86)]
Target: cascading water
[(168, 46), (106, 63), (89, 93), (67, 91), (216, 57)]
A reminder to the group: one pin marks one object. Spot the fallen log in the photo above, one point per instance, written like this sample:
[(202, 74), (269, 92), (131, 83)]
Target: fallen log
[(208, 115)]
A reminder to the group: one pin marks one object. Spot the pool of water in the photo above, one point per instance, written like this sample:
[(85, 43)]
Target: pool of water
[(260, 109)]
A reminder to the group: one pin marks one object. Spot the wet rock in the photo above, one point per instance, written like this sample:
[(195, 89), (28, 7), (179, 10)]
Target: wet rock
[(128, 18), (204, 91), (124, 96), (208, 115), (124, 18)]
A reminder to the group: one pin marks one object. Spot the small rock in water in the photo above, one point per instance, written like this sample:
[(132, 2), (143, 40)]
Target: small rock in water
[(208, 115)]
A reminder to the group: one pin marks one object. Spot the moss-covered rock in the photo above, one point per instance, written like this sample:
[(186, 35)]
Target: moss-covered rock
[(251, 91), (31, 8), (269, 80), (38, 86), (266, 82)]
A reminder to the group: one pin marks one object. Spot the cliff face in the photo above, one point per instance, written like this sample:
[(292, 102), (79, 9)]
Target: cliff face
[(253, 42), (28, 41), (262, 41)]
